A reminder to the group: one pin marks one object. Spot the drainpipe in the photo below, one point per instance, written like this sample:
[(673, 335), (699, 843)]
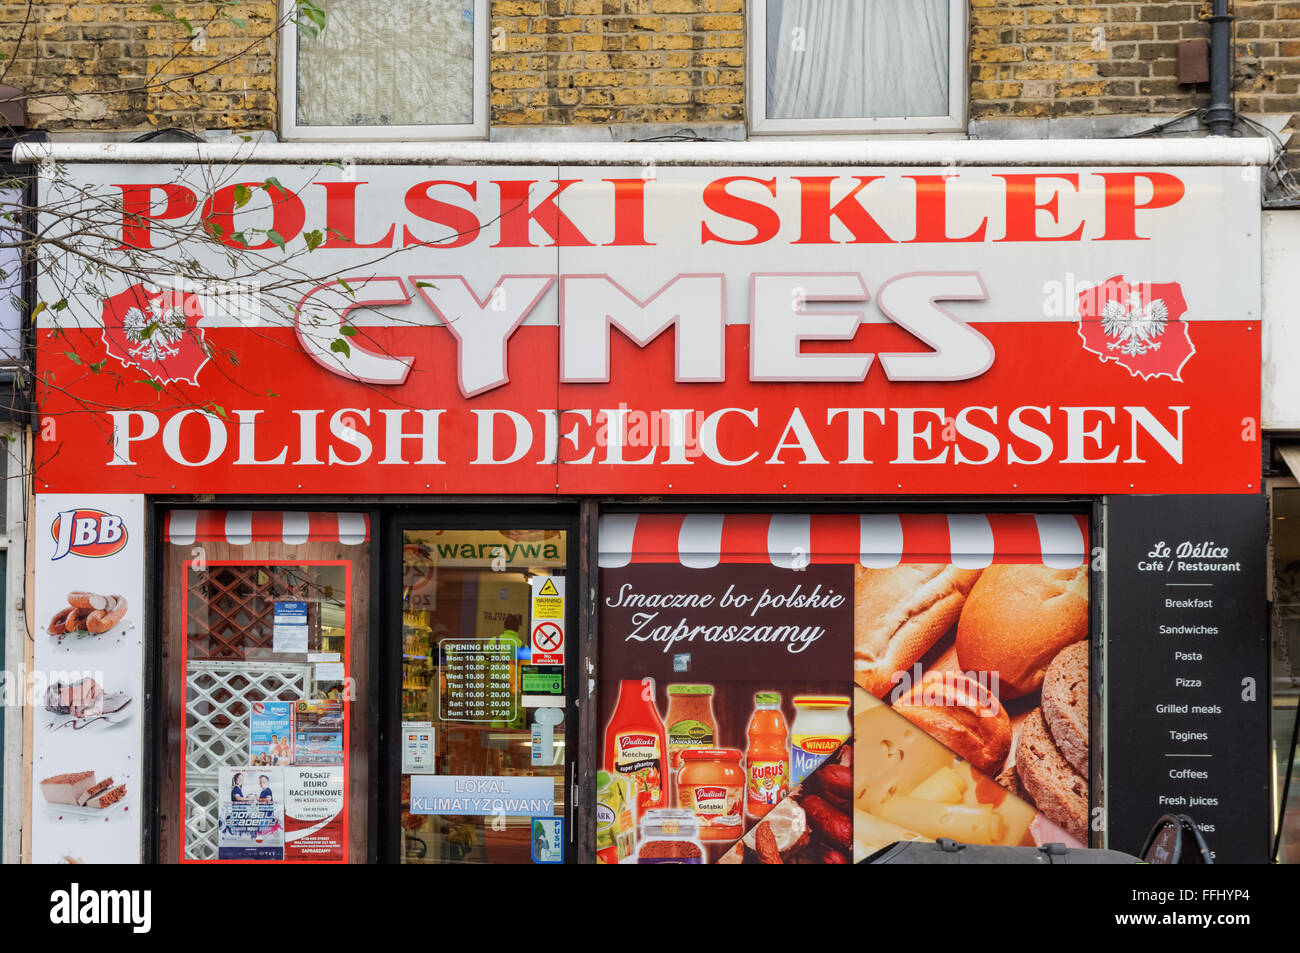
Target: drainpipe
[(1221, 117)]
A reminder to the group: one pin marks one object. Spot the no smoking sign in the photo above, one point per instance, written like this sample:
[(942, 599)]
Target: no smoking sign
[(548, 643)]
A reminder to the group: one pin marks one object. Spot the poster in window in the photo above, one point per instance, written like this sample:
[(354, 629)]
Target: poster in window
[(810, 688), (270, 733), (251, 813), (314, 814)]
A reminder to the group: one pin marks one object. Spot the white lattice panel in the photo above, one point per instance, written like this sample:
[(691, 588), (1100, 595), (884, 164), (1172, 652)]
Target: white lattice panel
[(217, 700)]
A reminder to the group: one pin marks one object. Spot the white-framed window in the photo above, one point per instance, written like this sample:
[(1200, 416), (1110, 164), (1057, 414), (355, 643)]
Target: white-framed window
[(386, 69), (831, 67)]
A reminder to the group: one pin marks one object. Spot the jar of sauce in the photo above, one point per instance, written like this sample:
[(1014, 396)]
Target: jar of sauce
[(690, 720), (821, 725), (712, 786)]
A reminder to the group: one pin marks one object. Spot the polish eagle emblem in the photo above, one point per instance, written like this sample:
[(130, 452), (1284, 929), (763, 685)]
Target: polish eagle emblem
[(156, 331), (1137, 325), (1134, 324)]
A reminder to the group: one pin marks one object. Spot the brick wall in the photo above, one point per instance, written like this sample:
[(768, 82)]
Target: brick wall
[(1034, 59), (129, 68), (558, 62), (674, 62)]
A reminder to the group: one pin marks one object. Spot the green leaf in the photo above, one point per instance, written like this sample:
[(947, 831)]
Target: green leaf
[(72, 356), (275, 238), (150, 382), (97, 366), (347, 287), (239, 23), (242, 195), (61, 304), (425, 284), (148, 331), (340, 345), (37, 310), (348, 331), (312, 12), (313, 239), (273, 183), (330, 163), (220, 411)]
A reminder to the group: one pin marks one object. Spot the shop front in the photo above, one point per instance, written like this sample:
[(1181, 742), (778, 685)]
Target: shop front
[(656, 507)]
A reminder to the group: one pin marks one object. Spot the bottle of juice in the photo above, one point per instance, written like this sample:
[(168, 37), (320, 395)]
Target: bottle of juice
[(636, 745), (767, 762)]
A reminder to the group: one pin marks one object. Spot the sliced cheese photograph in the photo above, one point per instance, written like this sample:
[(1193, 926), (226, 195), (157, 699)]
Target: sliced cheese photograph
[(907, 786)]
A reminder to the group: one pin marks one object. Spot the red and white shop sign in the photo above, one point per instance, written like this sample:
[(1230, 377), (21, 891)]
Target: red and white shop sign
[(692, 330)]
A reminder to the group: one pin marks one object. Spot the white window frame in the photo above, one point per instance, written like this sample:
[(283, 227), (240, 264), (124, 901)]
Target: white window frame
[(958, 72), (291, 129)]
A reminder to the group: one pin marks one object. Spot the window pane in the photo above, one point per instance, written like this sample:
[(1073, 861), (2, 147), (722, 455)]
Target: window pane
[(480, 710), (266, 636), (398, 63), (856, 59)]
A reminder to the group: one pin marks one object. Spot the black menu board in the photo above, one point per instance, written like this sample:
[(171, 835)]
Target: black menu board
[(1187, 670)]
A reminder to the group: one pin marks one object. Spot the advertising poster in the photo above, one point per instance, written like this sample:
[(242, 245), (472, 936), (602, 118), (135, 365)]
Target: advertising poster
[(270, 733), (318, 732), (251, 814), (809, 689), (85, 687), (313, 815)]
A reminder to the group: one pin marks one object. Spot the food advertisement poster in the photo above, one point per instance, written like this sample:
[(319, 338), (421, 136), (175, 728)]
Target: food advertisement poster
[(313, 814), (810, 689), (86, 678), (251, 814)]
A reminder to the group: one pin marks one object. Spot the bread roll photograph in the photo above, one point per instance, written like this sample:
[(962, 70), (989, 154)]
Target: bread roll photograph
[(1016, 620), (961, 714), (899, 614)]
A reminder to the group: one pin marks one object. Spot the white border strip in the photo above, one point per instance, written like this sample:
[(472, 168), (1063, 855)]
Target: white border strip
[(880, 152)]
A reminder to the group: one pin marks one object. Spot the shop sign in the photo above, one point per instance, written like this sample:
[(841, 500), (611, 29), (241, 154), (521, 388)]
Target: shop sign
[(503, 796), (693, 330), (1187, 671)]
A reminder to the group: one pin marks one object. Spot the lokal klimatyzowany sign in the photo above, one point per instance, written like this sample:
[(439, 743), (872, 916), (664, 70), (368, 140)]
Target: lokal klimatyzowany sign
[(581, 329)]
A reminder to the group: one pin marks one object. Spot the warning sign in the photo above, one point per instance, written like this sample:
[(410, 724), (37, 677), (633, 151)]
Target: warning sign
[(548, 597), (548, 620)]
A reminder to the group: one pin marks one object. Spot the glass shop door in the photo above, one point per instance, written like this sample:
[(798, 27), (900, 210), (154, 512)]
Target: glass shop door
[(487, 628)]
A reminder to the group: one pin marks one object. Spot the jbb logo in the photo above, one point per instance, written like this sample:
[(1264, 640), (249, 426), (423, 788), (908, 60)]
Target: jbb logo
[(90, 533)]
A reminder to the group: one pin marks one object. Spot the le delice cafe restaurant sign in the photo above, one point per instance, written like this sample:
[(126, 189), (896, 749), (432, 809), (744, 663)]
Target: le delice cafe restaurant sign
[(696, 330)]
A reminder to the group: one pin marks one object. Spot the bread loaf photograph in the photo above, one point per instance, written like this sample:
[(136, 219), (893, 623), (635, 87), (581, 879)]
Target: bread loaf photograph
[(899, 614)]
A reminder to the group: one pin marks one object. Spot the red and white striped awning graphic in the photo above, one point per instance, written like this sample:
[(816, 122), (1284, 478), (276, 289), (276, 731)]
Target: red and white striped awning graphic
[(241, 527), (877, 541)]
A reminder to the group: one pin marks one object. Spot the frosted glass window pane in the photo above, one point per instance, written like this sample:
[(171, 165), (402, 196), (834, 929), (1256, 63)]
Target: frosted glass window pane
[(395, 63)]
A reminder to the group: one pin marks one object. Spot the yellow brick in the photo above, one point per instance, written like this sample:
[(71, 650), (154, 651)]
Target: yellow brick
[(720, 23)]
